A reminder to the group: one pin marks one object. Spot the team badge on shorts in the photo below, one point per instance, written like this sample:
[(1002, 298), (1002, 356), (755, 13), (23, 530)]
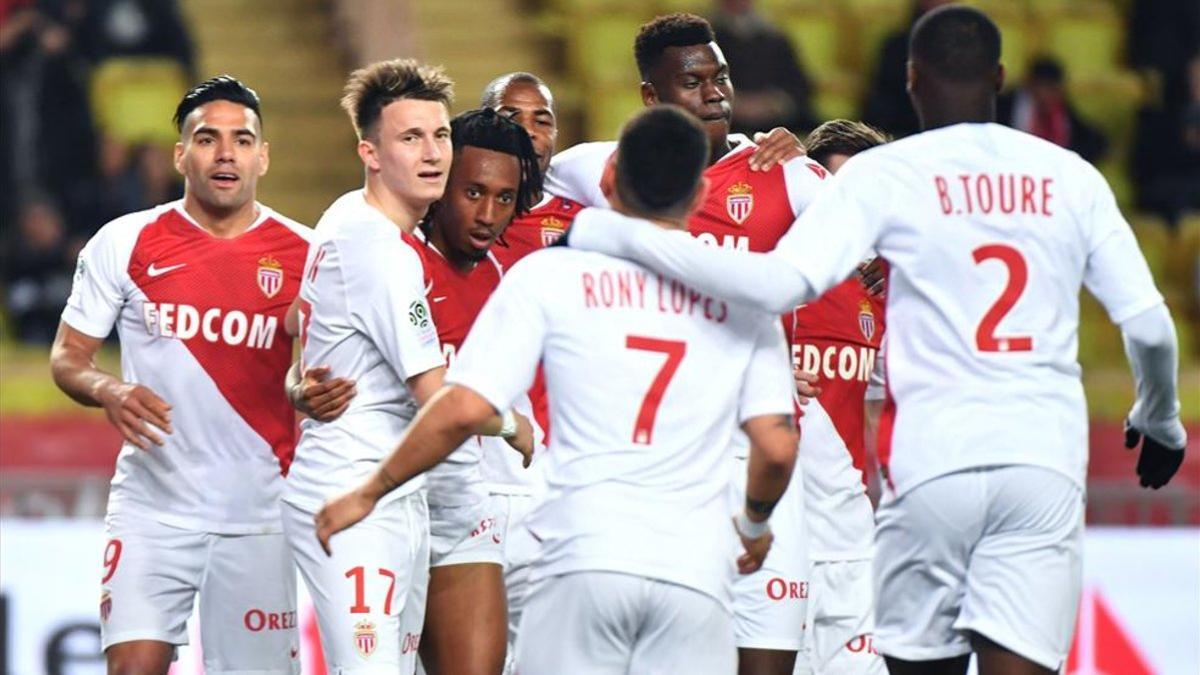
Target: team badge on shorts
[(552, 229), (739, 202), (364, 638), (270, 276), (105, 606), (866, 320)]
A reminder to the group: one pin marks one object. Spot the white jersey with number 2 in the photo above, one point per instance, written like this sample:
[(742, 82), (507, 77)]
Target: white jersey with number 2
[(646, 379)]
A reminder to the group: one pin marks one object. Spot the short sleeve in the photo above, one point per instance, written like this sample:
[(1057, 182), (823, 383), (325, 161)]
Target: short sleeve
[(840, 228), (877, 380), (386, 295), (99, 290), (575, 173), (500, 356), (1116, 271), (805, 179), (767, 387)]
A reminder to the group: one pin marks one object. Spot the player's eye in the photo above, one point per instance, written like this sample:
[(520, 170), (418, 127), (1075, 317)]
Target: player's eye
[(474, 193), (691, 85), (507, 198), (722, 79), (408, 138), (443, 135), (244, 142)]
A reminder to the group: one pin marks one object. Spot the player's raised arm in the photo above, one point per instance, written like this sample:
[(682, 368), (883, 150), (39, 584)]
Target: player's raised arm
[(811, 258)]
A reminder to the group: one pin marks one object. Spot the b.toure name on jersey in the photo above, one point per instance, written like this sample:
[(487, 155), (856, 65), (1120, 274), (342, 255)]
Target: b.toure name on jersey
[(848, 362), (232, 327)]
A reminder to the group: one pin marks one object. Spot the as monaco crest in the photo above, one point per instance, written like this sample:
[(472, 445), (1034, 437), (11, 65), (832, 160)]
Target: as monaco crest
[(739, 202), (364, 638), (270, 276), (866, 320), (552, 229)]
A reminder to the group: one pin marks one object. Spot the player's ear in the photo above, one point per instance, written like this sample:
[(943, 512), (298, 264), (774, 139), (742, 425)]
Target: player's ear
[(649, 95), (366, 152), (608, 179), (264, 156), (910, 77), (179, 157), (700, 196), (1000, 73)]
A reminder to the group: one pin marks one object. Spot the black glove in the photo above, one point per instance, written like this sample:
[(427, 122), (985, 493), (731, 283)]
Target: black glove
[(1157, 463)]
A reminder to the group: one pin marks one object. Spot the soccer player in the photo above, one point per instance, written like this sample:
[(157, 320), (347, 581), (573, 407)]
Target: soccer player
[(493, 177), (525, 99), (198, 290), (838, 336), (989, 234), (636, 545), (363, 313), (746, 209)]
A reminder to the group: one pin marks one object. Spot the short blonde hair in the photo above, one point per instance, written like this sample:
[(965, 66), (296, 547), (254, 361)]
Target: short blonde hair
[(372, 88)]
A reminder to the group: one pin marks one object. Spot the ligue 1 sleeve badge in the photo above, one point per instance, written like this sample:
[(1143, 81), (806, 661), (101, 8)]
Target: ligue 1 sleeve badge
[(552, 229), (739, 202), (270, 276), (866, 320), (364, 638)]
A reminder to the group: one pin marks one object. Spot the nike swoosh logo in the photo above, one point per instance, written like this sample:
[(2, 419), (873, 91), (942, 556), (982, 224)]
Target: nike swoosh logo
[(159, 271), (439, 299)]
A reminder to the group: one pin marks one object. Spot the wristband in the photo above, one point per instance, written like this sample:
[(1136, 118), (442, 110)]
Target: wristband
[(508, 424), (748, 528)]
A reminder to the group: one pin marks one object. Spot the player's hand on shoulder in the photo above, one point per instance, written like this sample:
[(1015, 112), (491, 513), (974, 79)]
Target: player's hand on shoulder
[(522, 440), (321, 396), (340, 513), (755, 551), (775, 147), (138, 413), (1158, 461), (806, 385)]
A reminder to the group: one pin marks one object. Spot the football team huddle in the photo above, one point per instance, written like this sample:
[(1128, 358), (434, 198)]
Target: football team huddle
[(610, 410)]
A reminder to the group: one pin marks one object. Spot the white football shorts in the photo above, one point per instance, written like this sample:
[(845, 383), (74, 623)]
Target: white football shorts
[(370, 594), (246, 585), (607, 622), (994, 550), (460, 535), (769, 606), (841, 620)]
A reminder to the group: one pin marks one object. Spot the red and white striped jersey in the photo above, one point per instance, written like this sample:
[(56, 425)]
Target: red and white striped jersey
[(363, 313), (533, 231), (838, 337), (200, 320)]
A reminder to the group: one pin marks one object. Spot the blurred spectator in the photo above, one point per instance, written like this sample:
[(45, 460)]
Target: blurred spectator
[(887, 105), (772, 88), (1166, 154), (127, 180), (138, 28), (37, 271), (1164, 36), (1040, 107), (47, 136)]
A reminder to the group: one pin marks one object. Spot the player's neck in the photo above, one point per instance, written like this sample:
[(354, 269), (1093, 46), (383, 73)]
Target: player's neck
[(944, 111), (438, 240), (221, 223), (402, 213), (719, 150), (664, 223)]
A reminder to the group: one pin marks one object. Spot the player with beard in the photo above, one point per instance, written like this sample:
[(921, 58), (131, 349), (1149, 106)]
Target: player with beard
[(751, 203), (197, 289)]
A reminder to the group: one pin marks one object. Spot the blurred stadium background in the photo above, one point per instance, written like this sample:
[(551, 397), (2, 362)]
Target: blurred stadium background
[(88, 88)]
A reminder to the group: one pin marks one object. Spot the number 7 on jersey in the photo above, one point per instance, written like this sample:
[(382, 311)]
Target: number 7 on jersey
[(643, 427)]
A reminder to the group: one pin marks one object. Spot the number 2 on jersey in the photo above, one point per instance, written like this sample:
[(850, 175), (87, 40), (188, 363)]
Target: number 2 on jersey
[(1018, 276), (643, 427)]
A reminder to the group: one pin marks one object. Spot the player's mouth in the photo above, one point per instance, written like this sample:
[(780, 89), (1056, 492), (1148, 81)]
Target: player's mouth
[(224, 179), (711, 116), (481, 238), (431, 176)]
